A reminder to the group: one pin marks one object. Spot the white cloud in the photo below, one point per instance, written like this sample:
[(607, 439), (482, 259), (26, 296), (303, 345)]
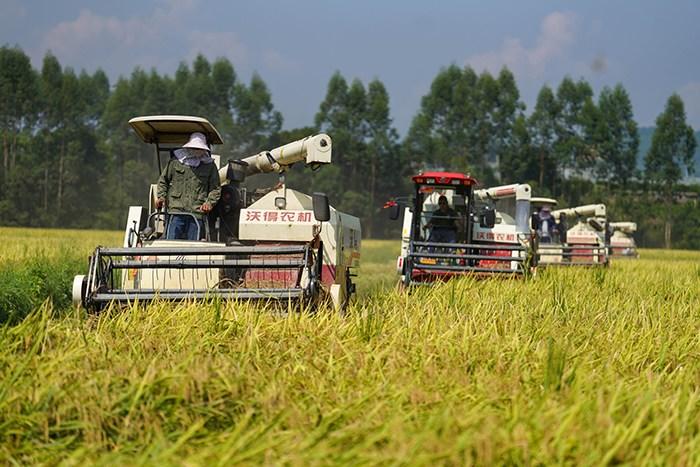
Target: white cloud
[(690, 93), (217, 44), (556, 35), (159, 38), (90, 31)]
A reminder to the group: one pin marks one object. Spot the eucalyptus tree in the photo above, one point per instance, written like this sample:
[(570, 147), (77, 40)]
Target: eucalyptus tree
[(465, 121), (543, 130), (575, 126), (385, 166), (519, 160), (616, 136), (670, 156), (19, 92), (442, 134), (255, 120)]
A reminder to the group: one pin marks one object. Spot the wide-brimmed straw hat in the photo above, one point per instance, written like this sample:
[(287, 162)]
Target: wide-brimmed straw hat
[(197, 141)]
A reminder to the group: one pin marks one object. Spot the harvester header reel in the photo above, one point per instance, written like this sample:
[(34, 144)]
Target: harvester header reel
[(290, 272)]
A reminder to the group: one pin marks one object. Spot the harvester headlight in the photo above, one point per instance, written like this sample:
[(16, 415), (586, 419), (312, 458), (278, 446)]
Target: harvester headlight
[(280, 202)]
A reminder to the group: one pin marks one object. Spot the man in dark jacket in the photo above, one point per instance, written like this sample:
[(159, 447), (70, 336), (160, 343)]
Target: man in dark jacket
[(189, 185), (545, 225), (443, 223)]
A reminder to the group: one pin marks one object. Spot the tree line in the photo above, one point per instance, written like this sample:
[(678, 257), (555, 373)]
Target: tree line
[(70, 160)]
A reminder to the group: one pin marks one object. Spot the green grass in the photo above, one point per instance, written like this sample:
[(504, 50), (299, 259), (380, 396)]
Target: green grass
[(576, 366)]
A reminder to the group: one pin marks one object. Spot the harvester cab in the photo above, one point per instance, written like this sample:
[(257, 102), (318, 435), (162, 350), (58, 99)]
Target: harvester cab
[(286, 246), (622, 244), (550, 233), (451, 229), (583, 244)]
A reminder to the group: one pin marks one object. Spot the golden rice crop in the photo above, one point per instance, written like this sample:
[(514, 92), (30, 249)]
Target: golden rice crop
[(576, 366), (22, 243)]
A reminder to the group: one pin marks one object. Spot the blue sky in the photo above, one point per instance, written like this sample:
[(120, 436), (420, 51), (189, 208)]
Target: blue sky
[(651, 47)]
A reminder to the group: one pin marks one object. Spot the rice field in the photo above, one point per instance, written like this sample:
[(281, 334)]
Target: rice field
[(575, 366)]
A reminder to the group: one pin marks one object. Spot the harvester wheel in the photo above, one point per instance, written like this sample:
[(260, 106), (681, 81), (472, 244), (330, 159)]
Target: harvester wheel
[(79, 289)]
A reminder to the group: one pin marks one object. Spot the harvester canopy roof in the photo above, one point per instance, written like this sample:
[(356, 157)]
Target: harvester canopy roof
[(444, 178), (539, 202), (173, 129)]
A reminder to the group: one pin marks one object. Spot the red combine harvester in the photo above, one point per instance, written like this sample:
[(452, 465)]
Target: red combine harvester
[(452, 229)]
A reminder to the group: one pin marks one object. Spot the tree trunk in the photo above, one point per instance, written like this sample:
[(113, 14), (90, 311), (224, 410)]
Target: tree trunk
[(667, 224), (13, 152), (372, 183), (541, 168), (59, 194), (46, 190), (5, 155)]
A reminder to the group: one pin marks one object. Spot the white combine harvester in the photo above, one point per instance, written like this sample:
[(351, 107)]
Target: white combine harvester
[(584, 244), (285, 246), (622, 244)]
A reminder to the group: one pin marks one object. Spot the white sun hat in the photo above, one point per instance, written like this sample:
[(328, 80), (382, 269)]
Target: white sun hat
[(197, 141)]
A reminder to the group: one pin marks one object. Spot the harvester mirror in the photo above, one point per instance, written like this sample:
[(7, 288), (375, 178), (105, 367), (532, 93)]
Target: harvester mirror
[(595, 224), (488, 218), (236, 170), (322, 210), (394, 211)]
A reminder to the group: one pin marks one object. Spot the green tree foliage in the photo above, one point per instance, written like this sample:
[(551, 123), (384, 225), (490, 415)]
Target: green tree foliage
[(465, 121), (671, 154), (255, 120), (385, 164), (543, 126), (366, 153), (575, 126), (18, 105), (672, 146), (442, 133), (616, 136), (519, 159), (50, 179)]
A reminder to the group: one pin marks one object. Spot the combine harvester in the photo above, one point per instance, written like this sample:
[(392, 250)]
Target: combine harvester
[(488, 232), (622, 244), (285, 246), (584, 244)]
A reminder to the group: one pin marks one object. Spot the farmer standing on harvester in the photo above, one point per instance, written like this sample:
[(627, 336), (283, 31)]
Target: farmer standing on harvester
[(188, 188)]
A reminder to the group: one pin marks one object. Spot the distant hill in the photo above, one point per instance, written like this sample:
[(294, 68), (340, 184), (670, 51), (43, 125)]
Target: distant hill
[(645, 135)]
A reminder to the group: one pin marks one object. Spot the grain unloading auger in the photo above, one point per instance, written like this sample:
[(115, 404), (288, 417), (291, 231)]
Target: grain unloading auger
[(285, 246), (584, 244), (481, 232)]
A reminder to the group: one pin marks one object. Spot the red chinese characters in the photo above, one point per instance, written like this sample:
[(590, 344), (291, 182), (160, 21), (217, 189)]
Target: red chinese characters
[(303, 216), (252, 215), (495, 236), (278, 217), (287, 216)]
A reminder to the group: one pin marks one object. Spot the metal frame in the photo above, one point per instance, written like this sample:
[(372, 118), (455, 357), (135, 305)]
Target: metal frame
[(569, 255), (462, 263), (101, 285)]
